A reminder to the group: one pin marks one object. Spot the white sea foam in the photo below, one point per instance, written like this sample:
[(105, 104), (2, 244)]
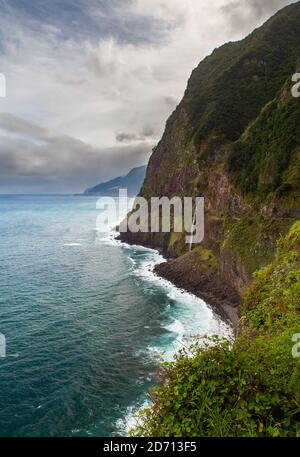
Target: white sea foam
[(131, 418), (72, 244), (176, 327), (189, 319), (108, 237)]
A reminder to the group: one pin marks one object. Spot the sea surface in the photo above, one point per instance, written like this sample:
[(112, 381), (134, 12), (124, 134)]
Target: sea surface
[(86, 321)]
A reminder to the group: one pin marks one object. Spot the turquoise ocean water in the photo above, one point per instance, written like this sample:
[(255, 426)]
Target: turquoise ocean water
[(84, 318)]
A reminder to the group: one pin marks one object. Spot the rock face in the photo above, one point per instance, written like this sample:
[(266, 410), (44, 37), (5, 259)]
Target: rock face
[(196, 273), (234, 140)]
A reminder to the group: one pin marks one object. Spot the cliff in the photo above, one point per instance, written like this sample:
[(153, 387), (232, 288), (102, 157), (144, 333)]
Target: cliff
[(232, 139)]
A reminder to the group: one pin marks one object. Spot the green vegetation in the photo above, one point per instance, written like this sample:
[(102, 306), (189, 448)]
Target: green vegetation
[(229, 88), (253, 240), (177, 244), (272, 304), (266, 158), (206, 259), (250, 387)]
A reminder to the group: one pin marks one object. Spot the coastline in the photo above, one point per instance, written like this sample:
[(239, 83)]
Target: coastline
[(198, 315), (182, 273), (196, 283)]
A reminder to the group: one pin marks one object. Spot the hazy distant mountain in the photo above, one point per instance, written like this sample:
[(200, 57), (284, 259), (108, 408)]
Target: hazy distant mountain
[(133, 182)]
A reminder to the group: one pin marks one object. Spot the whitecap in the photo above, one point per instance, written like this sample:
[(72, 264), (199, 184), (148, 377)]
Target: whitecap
[(72, 244), (177, 328)]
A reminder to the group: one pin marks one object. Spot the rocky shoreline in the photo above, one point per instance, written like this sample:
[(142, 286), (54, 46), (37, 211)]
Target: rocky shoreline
[(223, 302), (187, 273)]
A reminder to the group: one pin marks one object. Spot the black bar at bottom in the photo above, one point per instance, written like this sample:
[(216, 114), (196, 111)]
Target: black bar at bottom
[(144, 446)]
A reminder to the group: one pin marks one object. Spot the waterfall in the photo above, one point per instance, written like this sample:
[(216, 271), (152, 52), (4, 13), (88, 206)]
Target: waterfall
[(193, 228)]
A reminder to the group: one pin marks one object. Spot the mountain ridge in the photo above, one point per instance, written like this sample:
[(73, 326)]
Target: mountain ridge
[(132, 181)]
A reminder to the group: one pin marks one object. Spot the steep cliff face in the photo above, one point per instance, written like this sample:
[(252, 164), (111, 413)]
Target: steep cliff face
[(234, 140)]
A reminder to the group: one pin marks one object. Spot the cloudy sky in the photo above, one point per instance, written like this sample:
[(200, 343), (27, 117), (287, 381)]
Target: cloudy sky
[(91, 83)]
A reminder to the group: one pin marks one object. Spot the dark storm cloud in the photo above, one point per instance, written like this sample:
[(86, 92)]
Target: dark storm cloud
[(34, 159), (240, 12)]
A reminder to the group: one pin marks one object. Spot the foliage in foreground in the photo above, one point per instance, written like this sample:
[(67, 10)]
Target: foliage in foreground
[(250, 388)]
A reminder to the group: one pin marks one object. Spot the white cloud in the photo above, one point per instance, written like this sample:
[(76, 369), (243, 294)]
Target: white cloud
[(92, 86), (34, 158)]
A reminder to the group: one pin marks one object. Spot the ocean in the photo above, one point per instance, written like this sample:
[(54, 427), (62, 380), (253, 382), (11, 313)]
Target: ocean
[(85, 320)]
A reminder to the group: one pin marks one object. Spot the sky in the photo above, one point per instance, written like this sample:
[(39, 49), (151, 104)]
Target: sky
[(91, 83)]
